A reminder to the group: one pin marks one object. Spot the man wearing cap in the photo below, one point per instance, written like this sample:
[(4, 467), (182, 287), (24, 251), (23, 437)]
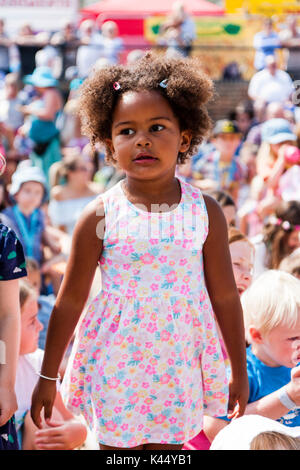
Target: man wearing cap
[(221, 168), (271, 83)]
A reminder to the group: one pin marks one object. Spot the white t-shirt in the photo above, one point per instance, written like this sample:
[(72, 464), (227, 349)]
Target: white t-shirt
[(293, 61), (270, 88), (26, 378)]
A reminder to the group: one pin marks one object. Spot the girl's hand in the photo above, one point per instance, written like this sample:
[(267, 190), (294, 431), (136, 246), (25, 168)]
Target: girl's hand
[(61, 435), (8, 404), (43, 397), (238, 397)]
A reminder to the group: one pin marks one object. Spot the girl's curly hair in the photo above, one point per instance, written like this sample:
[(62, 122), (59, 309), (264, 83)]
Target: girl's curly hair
[(188, 90)]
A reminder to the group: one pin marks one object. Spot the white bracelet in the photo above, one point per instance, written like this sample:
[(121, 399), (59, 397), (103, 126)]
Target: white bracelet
[(50, 378), (285, 399)]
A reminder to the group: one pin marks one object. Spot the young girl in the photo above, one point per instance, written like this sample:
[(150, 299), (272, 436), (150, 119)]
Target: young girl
[(146, 362)]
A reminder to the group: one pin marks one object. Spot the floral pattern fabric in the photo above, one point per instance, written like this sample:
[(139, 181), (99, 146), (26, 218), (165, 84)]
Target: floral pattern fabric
[(146, 362)]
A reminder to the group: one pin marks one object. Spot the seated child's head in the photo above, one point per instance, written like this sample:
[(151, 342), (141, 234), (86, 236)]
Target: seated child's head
[(30, 325), (28, 188), (282, 232), (273, 440), (271, 307), (34, 274), (242, 258), (228, 206), (226, 137)]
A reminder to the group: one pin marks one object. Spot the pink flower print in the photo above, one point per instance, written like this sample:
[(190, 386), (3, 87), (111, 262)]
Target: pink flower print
[(124, 427), (165, 335), (76, 402), (168, 403), (137, 356), (118, 339), (157, 278), (145, 409), (211, 350), (173, 420), (151, 327), (185, 290), (182, 262), (149, 345), (165, 378), (132, 284), (110, 426), (179, 436), (171, 362), (76, 364), (132, 442), (134, 398), (127, 250), (202, 296), (150, 370), (113, 382), (182, 397), (187, 318), (140, 427), (126, 266), (113, 327), (153, 241), (163, 259), (186, 279), (159, 419), (121, 365), (131, 293), (147, 258), (154, 287), (130, 339), (127, 382), (145, 384), (118, 409), (171, 277)]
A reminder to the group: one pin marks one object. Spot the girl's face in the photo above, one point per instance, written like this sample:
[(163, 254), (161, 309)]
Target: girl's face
[(30, 196), (230, 215), (146, 137), (30, 325), (294, 240), (82, 172), (242, 257)]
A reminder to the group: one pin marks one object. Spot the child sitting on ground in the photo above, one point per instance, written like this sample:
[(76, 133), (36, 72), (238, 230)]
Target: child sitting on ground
[(28, 192), (271, 307), (70, 433)]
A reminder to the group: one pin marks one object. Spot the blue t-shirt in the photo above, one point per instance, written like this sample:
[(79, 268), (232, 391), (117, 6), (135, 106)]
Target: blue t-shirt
[(264, 380)]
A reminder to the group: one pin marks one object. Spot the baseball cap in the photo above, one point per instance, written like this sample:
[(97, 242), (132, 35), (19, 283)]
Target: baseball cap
[(224, 126), (276, 131)]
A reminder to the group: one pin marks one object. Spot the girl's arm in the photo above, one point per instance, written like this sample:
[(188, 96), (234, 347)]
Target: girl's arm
[(9, 346), (85, 252), (225, 301)]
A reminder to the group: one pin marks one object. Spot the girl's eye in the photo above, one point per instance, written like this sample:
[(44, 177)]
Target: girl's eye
[(157, 127), (127, 131)]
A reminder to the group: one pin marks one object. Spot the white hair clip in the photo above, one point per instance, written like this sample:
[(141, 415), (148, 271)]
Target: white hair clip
[(164, 83)]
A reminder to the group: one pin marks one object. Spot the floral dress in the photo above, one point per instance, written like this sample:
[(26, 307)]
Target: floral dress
[(146, 362), (12, 266)]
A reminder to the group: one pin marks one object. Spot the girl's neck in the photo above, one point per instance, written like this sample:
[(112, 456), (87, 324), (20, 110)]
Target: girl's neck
[(164, 191)]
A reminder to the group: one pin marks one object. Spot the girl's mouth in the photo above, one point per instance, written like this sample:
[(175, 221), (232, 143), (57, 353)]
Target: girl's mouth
[(145, 158)]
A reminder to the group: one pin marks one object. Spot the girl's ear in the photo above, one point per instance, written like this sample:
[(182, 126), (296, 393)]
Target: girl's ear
[(186, 137), (256, 336)]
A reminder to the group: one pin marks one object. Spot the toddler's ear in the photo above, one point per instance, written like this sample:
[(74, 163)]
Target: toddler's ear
[(255, 334)]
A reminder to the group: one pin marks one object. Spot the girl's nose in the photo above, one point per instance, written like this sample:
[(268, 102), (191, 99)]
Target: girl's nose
[(143, 140)]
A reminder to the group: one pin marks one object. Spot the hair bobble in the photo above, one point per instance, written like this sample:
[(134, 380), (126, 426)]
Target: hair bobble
[(164, 83), (116, 86)]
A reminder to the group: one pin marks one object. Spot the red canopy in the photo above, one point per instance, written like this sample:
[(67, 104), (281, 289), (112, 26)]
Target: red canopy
[(143, 8)]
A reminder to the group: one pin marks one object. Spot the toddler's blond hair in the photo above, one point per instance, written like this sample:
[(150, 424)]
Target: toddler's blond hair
[(273, 299)]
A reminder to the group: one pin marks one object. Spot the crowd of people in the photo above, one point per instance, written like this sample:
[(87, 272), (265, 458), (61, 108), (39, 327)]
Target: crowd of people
[(249, 162)]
